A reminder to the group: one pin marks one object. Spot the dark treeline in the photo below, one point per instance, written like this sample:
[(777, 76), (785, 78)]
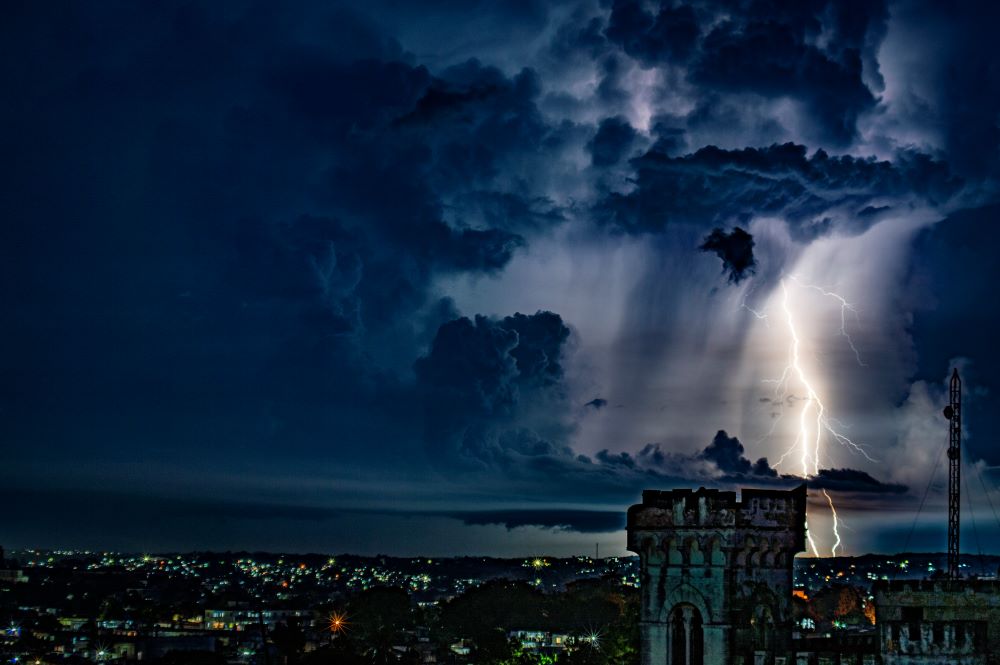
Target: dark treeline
[(381, 625)]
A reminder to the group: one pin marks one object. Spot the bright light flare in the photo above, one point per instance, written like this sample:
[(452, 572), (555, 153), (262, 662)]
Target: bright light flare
[(338, 623)]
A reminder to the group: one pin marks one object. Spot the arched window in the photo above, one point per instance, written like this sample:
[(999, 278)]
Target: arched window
[(695, 557), (673, 554), (687, 639), (743, 556), (717, 557)]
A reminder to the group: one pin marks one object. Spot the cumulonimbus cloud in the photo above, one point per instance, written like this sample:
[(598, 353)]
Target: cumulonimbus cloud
[(712, 186)]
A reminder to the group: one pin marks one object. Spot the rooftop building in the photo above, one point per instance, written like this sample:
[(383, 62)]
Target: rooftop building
[(716, 574)]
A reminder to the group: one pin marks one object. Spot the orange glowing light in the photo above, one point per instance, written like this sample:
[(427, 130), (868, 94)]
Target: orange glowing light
[(338, 622), (799, 593), (869, 611)]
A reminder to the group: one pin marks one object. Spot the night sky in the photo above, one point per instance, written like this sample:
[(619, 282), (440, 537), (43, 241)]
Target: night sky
[(444, 278)]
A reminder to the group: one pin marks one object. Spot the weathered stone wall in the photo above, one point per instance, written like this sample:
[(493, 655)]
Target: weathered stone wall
[(928, 622)]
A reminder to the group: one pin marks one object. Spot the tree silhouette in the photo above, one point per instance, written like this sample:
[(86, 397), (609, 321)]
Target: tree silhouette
[(289, 640)]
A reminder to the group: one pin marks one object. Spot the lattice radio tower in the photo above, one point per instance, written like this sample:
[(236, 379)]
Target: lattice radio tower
[(953, 412)]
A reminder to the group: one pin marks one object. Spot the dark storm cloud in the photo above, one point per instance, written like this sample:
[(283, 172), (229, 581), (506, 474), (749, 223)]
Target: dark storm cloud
[(713, 186), (581, 33), (480, 382), (956, 269), (319, 272), (670, 34), (727, 454), (822, 54), (188, 522), (500, 209), (852, 480), (133, 506), (612, 141), (484, 362), (723, 463), (612, 87), (735, 249), (482, 379), (311, 266), (952, 87), (230, 231), (772, 58), (478, 120), (581, 521), (495, 401), (253, 206)]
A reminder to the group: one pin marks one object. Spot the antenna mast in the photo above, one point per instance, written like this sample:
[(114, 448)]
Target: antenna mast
[(953, 412)]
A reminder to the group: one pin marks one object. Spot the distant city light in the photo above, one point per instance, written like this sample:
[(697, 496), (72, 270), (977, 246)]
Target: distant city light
[(338, 622)]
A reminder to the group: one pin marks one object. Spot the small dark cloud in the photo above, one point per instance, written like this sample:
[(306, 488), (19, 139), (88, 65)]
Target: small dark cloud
[(853, 480), (654, 454), (582, 521), (597, 403), (726, 453), (736, 251), (623, 459), (762, 468)]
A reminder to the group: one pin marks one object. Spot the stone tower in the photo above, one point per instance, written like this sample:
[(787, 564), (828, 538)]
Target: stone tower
[(717, 574)]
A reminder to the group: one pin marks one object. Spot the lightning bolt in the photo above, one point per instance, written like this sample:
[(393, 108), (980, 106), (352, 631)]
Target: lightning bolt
[(814, 422), (845, 307), (836, 529), (761, 316)]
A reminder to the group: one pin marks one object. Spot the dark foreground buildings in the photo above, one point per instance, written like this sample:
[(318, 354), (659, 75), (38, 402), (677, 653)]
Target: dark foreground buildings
[(716, 579), (942, 621)]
